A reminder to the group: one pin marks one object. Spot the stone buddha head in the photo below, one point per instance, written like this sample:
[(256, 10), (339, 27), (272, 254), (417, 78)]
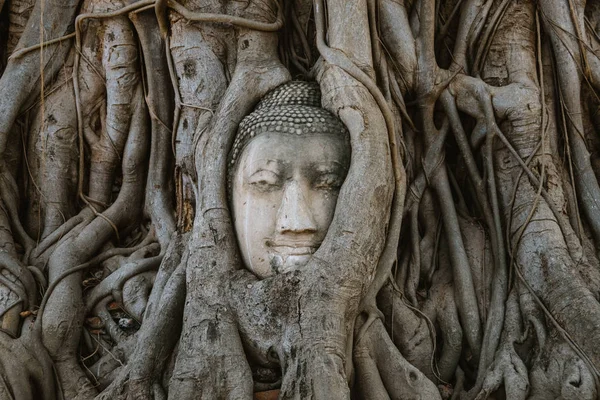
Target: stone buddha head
[(288, 162)]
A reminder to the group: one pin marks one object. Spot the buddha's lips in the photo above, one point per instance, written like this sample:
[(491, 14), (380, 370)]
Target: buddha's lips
[(293, 248), (294, 251)]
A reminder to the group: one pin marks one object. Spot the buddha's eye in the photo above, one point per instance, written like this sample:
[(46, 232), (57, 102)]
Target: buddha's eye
[(265, 180), (328, 182)]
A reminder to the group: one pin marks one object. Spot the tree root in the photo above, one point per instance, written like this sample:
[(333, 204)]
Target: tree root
[(60, 338), (22, 75), (116, 280), (163, 314), (399, 378), (26, 370), (507, 367), (158, 202)]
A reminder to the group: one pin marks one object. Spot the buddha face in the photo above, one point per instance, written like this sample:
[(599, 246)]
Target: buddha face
[(285, 189)]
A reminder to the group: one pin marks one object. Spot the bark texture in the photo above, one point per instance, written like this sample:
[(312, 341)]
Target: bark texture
[(462, 260)]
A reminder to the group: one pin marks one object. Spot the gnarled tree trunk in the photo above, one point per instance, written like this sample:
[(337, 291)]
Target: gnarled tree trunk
[(462, 258)]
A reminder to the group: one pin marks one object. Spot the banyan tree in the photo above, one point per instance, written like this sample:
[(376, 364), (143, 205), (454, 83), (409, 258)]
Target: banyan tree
[(296, 199)]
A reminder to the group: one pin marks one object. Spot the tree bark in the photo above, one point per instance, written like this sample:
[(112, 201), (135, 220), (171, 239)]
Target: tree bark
[(462, 257)]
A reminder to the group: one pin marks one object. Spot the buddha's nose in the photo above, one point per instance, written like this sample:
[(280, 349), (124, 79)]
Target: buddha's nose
[(294, 214)]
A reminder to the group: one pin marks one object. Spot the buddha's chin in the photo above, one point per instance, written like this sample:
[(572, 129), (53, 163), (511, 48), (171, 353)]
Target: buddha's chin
[(281, 263)]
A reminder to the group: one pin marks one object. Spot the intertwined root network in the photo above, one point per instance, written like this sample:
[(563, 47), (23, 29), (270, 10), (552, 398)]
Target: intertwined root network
[(461, 260)]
